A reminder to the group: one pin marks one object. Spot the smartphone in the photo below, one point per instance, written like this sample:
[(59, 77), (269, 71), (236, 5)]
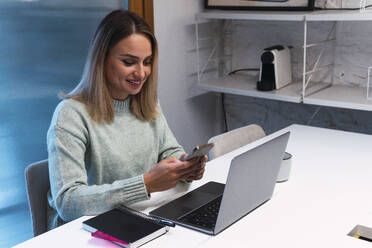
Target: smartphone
[(199, 151)]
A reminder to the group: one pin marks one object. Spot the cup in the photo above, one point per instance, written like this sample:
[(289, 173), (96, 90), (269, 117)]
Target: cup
[(285, 168)]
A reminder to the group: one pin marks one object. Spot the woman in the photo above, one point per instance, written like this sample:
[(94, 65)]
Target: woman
[(108, 142)]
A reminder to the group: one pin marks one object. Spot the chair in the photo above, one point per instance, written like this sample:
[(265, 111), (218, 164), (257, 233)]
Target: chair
[(234, 139), (37, 184)]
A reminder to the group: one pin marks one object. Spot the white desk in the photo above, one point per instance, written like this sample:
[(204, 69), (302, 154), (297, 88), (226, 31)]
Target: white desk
[(328, 193)]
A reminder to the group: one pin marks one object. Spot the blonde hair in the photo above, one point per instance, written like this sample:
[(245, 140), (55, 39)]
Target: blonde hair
[(92, 89)]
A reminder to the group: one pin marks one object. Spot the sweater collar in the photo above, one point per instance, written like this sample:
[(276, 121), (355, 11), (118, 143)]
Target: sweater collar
[(121, 106)]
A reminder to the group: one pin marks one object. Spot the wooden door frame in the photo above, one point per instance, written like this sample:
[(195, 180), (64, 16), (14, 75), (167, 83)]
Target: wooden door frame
[(145, 9)]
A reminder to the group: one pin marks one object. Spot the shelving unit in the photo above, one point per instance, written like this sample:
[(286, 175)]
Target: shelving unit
[(341, 96), (339, 15), (252, 15), (246, 86), (329, 94), (337, 95)]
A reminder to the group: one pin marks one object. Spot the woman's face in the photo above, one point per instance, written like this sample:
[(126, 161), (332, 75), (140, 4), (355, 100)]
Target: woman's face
[(128, 66)]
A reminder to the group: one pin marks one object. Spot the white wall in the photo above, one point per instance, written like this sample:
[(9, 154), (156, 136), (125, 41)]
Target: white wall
[(193, 115)]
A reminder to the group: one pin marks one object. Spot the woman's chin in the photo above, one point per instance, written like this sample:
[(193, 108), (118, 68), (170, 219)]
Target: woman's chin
[(135, 91)]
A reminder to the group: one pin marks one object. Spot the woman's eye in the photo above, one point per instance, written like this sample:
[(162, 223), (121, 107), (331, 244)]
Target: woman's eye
[(147, 62), (128, 63)]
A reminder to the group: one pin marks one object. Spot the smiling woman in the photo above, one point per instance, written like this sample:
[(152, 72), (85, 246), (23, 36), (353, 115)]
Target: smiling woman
[(123, 48), (108, 142)]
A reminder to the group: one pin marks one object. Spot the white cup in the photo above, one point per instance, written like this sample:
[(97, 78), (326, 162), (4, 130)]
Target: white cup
[(285, 168)]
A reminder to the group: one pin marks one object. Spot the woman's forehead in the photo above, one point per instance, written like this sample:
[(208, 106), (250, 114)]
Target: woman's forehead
[(137, 45)]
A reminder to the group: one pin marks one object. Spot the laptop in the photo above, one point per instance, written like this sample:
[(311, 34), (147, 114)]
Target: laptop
[(214, 206)]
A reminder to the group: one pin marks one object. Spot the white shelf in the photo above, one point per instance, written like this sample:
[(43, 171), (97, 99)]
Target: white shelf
[(339, 15), (318, 15), (253, 15), (342, 97), (334, 96), (246, 86)]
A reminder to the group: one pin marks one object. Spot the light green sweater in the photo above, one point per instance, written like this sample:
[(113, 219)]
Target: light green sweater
[(95, 167)]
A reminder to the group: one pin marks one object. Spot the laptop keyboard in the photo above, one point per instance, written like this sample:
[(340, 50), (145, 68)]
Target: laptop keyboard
[(205, 216)]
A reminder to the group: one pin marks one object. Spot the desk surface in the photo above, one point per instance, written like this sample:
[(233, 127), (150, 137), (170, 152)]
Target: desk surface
[(328, 193)]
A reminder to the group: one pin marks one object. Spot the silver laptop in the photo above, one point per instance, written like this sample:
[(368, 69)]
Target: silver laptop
[(250, 183)]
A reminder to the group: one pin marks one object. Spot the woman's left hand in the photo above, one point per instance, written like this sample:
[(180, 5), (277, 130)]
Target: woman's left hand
[(199, 168)]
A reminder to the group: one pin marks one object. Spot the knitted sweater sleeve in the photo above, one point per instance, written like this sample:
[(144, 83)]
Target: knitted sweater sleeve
[(72, 196)]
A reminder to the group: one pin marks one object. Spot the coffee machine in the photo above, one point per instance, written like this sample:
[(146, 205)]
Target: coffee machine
[(275, 69)]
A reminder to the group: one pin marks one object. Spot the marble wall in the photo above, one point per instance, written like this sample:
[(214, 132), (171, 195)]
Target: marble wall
[(340, 3), (274, 115), (351, 54)]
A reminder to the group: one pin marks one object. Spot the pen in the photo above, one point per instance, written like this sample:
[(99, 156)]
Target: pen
[(362, 238), (163, 222), (148, 217)]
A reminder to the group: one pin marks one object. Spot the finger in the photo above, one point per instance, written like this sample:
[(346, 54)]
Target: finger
[(183, 156), (192, 169), (197, 169), (186, 172), (195, 174), (171, 160), (199, 163), (194, 160), (180, 165), (199, 166), (190, 174), (199, 159), (205, 158), (195, 177), (200, 172), (200, 175), (183, 169), (189, 179)]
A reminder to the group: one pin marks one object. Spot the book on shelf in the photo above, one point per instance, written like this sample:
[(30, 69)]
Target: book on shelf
[(125, 227)]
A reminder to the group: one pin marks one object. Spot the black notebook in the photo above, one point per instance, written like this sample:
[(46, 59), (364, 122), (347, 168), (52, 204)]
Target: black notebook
[(125, 228)]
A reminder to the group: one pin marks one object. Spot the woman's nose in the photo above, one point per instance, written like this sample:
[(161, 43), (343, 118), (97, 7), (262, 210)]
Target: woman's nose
[(140, 71)]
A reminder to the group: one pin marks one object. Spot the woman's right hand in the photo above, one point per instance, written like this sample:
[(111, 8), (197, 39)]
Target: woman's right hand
[(166, 174)]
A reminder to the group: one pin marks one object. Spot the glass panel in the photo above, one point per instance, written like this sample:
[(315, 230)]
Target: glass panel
[(42, 52)]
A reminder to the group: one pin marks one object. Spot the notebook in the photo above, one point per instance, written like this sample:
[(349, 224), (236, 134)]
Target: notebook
[(124, 228), (250, 183)]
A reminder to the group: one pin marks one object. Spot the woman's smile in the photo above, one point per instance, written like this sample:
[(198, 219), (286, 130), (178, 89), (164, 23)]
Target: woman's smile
[(134, 83)]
